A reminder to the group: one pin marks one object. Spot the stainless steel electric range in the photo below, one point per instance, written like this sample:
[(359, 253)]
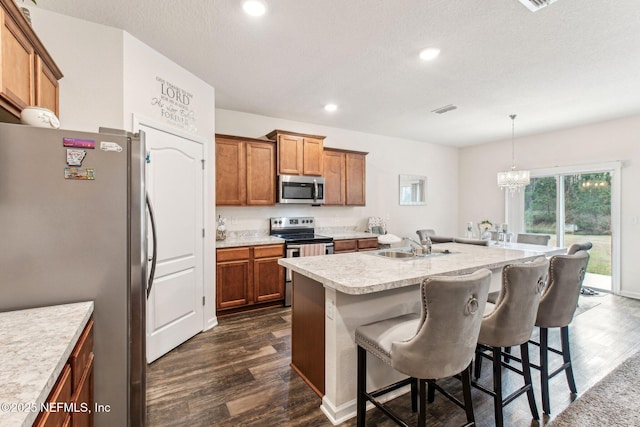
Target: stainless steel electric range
[(300, 239)]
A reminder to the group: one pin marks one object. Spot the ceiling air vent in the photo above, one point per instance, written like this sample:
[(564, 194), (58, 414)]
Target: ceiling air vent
[(444, 109), (535, 5)]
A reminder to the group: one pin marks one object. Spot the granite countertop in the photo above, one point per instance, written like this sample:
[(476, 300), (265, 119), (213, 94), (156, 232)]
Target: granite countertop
[(36, 344), (248, 241), (362, 272), (343, 235)]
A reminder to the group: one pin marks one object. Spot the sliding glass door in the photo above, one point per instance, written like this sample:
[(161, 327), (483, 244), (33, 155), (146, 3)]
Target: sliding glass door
[(540, 207), (577, 205)]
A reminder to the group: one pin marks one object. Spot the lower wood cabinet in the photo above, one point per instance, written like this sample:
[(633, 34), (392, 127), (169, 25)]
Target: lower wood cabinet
[(248, 277), (71, 399), (355, 245)]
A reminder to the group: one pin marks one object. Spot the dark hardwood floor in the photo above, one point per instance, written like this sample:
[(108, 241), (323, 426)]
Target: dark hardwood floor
[(238, 374)]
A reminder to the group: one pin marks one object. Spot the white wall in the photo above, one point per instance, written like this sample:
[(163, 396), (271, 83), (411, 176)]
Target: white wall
[(388, 157), (159, 89), (90, 57), (480, 198)]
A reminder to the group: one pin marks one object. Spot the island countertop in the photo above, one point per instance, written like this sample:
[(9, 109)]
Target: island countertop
[(363, 272), (36, 344)]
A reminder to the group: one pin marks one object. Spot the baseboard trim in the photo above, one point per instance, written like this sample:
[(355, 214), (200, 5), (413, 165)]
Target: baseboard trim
[(634, 295), (346, 411)]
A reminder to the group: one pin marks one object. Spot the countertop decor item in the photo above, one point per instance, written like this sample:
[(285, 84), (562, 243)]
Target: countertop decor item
[(513, 179), (40, 117), (484, 229), (221, 228)]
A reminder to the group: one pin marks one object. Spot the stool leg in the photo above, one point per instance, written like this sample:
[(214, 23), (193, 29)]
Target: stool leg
[(566, 356), (414, 395), (477, 365), (466, 391), (507, 350), (431, 391), (361, 408), (422, 410), (526, 370), (544, 369), (497, 386)]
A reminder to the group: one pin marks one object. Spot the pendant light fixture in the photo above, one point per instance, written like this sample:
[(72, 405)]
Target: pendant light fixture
[(513, 180)]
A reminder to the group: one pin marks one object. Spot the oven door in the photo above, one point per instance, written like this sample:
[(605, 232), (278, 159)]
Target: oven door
[(293, 251)]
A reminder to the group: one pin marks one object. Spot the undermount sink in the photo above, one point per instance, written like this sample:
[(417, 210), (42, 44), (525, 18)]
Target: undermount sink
[(406, 254), (395, 254)]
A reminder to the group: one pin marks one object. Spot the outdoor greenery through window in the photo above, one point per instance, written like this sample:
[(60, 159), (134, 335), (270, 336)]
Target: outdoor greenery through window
[(586, 207)]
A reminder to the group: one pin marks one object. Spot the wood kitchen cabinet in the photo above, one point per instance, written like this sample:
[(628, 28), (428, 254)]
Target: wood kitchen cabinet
[(28, 74), (334, 177), (245, 171), (345, 177), (268, 275), (355, 245), (74, 388), (249, 277), (298, 153), (233, 276)]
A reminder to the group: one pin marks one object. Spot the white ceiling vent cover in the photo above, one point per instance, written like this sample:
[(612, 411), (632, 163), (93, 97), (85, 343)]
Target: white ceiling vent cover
[(535, 5)]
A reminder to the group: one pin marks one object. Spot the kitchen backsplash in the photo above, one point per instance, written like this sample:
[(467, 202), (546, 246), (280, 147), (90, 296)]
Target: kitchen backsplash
[(254, 221)]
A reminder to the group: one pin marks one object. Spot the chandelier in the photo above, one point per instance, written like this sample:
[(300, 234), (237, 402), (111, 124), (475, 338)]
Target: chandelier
[(513, 179)]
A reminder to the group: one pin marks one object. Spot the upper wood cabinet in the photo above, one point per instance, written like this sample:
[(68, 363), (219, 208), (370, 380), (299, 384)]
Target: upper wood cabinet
[(356, 179), (344, 177), (334, 177), (245, 171), (298, 153), (28, 75)]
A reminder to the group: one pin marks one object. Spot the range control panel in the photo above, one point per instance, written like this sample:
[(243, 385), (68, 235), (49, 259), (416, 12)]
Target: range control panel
[(292, 222)]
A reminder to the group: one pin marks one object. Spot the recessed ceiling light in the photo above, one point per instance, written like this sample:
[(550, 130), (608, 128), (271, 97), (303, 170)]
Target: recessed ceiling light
[(429, 54), (255, 7), (331, 107)]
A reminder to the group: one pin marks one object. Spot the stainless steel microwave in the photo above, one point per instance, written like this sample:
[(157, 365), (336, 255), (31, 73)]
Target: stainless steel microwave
[(301, 189)]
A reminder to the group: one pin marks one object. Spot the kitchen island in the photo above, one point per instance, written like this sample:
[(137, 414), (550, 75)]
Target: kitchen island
[(334, 294)]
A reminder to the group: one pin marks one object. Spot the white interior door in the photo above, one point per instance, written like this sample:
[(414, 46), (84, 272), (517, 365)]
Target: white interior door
[(175, 188)]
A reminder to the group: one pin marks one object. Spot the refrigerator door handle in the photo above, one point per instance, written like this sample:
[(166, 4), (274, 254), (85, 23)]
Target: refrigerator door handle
[(155, 251)]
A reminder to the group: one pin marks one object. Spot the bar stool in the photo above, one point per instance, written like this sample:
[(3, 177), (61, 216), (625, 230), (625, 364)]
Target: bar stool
[(508, 323), (557, 307), (582, 246), (575, 247), (438, 343), (533, 239)]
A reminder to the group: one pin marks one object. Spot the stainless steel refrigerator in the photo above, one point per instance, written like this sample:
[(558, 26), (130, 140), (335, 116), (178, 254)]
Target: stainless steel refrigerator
[(73, 228)]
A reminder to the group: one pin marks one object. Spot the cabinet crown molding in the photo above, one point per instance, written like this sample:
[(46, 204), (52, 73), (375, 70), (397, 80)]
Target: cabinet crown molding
[(274, 133)]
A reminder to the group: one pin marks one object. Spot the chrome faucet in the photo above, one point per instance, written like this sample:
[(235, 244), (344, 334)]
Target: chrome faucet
[(419, 249)]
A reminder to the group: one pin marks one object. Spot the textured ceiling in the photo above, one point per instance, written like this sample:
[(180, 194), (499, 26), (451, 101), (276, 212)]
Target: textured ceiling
[(573, 62)]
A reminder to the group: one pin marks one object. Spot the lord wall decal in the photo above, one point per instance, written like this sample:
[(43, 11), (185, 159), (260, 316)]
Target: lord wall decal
[(174, 105)]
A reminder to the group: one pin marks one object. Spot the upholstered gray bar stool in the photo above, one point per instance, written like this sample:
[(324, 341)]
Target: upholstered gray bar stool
[(575, 247), (438, 343), (424, 233), (557, 307), (466, 241), (582, 246), (533, 239), (431, 234), (508, 323)]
